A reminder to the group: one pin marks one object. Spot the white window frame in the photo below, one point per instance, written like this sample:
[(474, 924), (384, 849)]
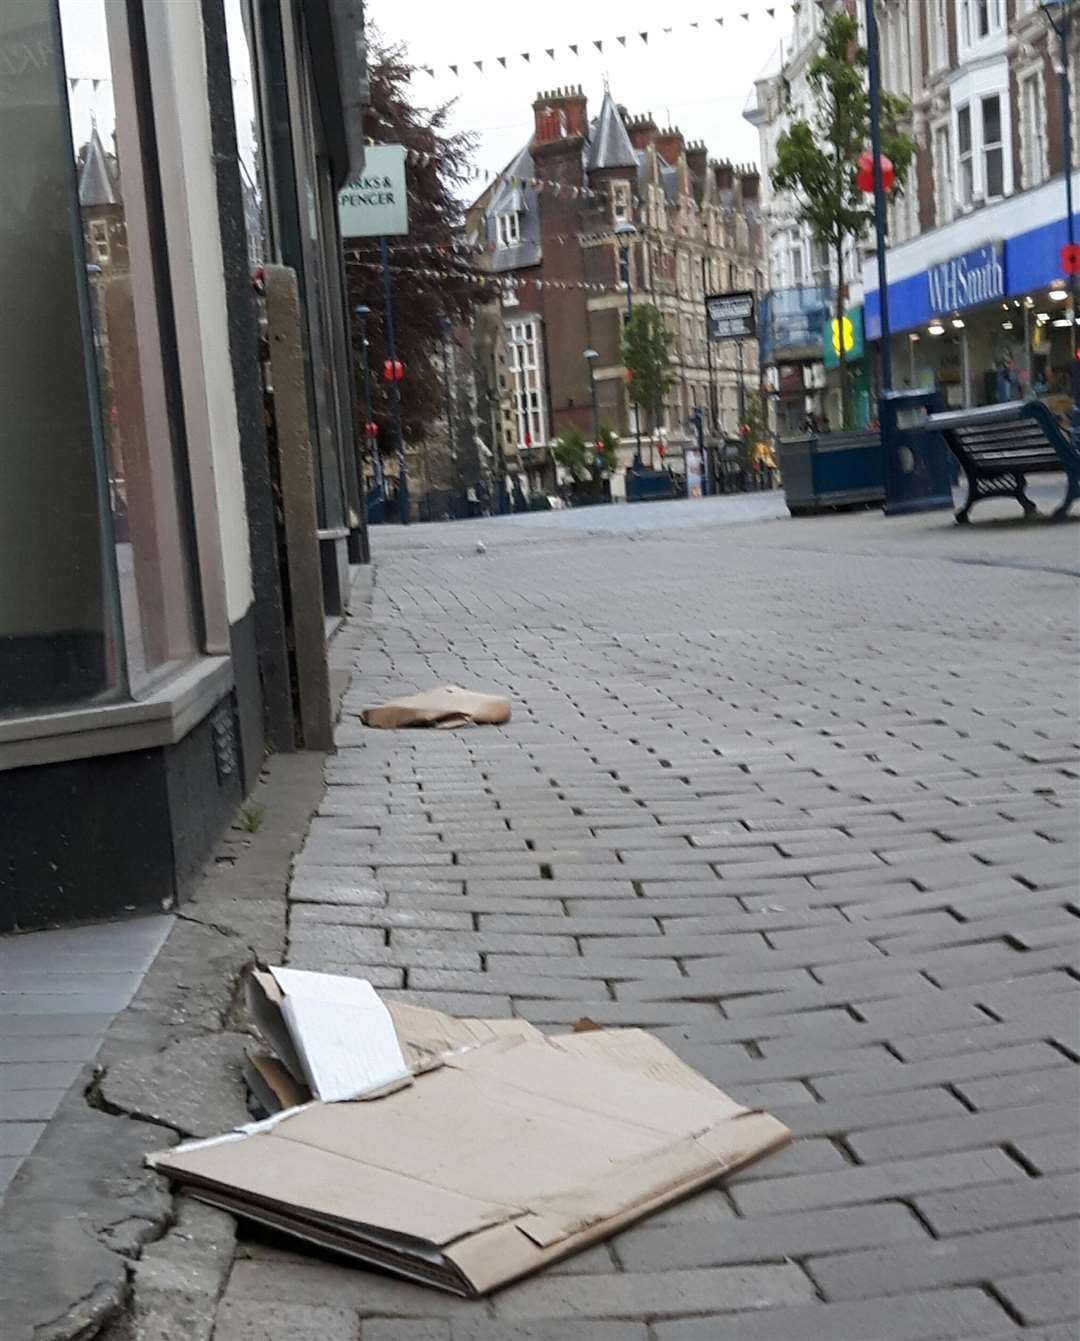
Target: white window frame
[(972, 40), (525, 359), (989, 147), (938, 23), (508, 229), (941, 157), (970, 88), (620, 202), (1031, 98)]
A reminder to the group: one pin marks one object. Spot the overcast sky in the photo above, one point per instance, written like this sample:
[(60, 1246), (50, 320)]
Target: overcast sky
[(699, 79)]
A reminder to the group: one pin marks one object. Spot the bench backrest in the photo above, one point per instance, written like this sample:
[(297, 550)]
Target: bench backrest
[(1000, 435)]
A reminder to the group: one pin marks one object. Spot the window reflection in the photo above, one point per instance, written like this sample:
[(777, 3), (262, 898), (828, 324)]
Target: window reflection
[(112, 187), (56, 644)]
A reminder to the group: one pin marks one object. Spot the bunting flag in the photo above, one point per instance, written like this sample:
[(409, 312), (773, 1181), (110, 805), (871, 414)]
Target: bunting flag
[(505, 283), (598, 43)]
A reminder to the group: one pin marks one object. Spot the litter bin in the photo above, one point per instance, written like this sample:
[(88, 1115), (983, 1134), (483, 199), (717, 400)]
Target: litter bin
[(918, 473)]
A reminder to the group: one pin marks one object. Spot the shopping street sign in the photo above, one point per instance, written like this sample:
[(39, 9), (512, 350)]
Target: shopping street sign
[(731, 316), (375, 205)]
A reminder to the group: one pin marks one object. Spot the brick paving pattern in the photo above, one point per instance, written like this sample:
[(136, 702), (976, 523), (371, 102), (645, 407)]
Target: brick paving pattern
[(800, 797)]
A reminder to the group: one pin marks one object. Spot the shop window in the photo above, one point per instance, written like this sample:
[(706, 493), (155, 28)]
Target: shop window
[(993, 148), (965, 156), (508, 229), (1033, 130), (137, 382)]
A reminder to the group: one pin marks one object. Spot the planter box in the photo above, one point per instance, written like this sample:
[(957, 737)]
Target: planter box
[(832, 470)]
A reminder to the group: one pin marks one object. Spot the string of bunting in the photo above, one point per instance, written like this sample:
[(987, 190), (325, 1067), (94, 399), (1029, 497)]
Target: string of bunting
[(421, 159), (492, 64), (503, 282)]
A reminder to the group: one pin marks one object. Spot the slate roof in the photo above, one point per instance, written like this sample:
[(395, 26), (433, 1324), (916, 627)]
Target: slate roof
[(95, 177), (609, 145)]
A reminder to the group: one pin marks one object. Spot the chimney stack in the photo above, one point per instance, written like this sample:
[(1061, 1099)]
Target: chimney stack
[(670, 145), (697, 159), (642, 130), (560, 114)]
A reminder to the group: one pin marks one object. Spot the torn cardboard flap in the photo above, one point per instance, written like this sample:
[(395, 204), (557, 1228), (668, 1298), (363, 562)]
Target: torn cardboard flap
[(332, 1033), (447, 706), (513, 1153)]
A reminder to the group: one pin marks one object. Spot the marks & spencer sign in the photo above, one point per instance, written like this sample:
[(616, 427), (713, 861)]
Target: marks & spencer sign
[(375, 204), (971, 280)]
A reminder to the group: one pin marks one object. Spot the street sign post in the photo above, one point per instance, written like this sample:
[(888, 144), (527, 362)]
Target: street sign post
[(731, 316), (376, 205)]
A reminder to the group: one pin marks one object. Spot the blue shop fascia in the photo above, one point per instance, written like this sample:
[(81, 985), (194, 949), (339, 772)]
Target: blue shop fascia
[(980, 308)]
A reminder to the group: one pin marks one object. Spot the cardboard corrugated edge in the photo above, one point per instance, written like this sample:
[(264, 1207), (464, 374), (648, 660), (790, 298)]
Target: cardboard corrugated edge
[(273, 1086), (493, 1258)]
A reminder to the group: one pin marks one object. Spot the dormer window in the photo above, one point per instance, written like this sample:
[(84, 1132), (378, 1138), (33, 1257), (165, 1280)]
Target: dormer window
[(508, 229)]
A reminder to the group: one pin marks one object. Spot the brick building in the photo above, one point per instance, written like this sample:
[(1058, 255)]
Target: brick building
[(551, 217), (987, 202)]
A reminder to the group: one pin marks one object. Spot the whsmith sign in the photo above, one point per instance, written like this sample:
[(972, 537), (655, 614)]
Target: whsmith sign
[(970, 280), (375, 204)]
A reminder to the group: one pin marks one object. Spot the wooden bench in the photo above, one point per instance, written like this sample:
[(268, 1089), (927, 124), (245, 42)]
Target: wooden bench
[(999, 446)]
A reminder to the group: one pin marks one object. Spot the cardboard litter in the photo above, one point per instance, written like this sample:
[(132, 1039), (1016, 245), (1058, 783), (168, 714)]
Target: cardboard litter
[(508, 1152), (447, 706), (323, 1039)]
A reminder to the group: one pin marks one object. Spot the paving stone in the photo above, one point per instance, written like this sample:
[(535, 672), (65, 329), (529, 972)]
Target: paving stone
[(1053, 1152), (963, 1260), (997, 1126), (936, 1314), (965, 1210), (1043, 1296), (19, 1138), (662, 1294), (900, 1178), (1060, 1082), (794, 1236), (941, 1070)]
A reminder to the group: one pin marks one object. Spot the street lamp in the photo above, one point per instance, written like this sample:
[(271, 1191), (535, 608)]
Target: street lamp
[(362, 313), (590, 358), (625, 233), (1058, 14), (444, 332)]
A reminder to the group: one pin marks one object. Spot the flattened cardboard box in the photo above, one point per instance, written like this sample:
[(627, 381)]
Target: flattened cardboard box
[(504, 1159), (447, 706)]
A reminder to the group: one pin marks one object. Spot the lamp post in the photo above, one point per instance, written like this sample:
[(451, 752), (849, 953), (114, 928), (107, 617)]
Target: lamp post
[(1058, 14), (874, 80), (591, 356), (625, 233), (444, 332)]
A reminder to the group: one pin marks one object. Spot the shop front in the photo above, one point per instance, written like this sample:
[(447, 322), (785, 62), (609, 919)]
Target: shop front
[(979, 309)]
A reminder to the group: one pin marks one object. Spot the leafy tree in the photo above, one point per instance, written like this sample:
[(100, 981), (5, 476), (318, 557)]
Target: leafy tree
[(574, 454), (817, 160), (647, 345), (435, 179)]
